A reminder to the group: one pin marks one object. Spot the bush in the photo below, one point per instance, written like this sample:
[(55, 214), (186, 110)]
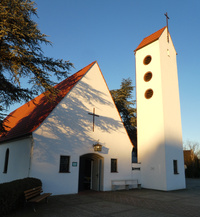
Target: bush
[(193, 168), (12, 193)]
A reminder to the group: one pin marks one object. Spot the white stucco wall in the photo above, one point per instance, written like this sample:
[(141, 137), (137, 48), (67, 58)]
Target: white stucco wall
[(19, 159), (150, 124), (172, 114), (158, 118), (68, 131)]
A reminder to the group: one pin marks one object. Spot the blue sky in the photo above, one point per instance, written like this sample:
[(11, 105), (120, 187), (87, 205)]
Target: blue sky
[(108, 31)]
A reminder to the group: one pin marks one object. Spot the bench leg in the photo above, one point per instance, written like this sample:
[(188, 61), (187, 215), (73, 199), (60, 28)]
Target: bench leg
[(127, 187), (33, 205)]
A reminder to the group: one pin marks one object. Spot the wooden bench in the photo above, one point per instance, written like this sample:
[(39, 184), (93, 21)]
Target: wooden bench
[(125, 183), (34, 196)]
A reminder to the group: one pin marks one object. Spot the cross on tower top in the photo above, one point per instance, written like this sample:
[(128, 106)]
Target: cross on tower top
[(167, 18)]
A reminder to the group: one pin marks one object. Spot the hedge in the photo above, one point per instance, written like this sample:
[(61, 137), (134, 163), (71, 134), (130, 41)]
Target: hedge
[(12, 193)]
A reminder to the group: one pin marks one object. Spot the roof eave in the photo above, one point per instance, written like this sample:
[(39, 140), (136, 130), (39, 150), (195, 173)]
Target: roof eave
[(15, 138)]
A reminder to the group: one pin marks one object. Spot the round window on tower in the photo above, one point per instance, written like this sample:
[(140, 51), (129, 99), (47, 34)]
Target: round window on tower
[(147, 60), (148, 94), (148, 76)]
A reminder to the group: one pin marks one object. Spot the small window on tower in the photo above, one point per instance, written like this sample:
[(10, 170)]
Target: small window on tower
[(148, 76), (175, 164), (147, 60), (148, 94), (168, 54)]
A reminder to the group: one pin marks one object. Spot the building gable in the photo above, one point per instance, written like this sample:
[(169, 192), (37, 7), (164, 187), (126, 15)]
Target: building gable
[(71, 132), (73, 112)]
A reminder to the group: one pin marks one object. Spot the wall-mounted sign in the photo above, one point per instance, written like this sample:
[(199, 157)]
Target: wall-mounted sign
[(74, 164)]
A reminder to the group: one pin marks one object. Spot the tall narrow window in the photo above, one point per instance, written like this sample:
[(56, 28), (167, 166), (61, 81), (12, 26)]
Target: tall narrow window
[(64, 164), (6, 161), (113, 165), (175, 164)]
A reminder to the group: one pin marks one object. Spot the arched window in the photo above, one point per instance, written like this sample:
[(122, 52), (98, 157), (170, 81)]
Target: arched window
[(6, 161)]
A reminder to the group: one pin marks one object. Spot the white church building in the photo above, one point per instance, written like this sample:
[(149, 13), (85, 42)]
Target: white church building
[(78, 142)]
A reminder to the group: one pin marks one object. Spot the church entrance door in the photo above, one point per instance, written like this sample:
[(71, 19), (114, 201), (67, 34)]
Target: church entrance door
[(91, 172)]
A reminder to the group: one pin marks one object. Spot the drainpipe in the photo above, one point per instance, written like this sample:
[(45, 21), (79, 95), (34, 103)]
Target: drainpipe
[(31, 154)]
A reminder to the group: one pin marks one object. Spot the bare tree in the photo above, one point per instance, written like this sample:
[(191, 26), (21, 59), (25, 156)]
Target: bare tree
[(192, 145), (21, 56), (192, 159)]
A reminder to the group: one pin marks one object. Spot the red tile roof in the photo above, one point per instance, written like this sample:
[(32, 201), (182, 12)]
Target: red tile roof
[(151, 38), (29, 116)]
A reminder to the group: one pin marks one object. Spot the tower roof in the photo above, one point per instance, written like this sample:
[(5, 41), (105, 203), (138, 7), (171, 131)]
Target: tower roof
[(151, 38), (30, 116)]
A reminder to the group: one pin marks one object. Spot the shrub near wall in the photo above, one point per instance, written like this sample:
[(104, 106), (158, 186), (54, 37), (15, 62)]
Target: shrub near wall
[(12, 193)]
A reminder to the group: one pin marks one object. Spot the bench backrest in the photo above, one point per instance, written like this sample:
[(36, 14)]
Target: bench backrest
[(33, 192)]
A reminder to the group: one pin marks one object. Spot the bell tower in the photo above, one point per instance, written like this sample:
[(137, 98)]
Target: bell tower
[(159, 128)]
